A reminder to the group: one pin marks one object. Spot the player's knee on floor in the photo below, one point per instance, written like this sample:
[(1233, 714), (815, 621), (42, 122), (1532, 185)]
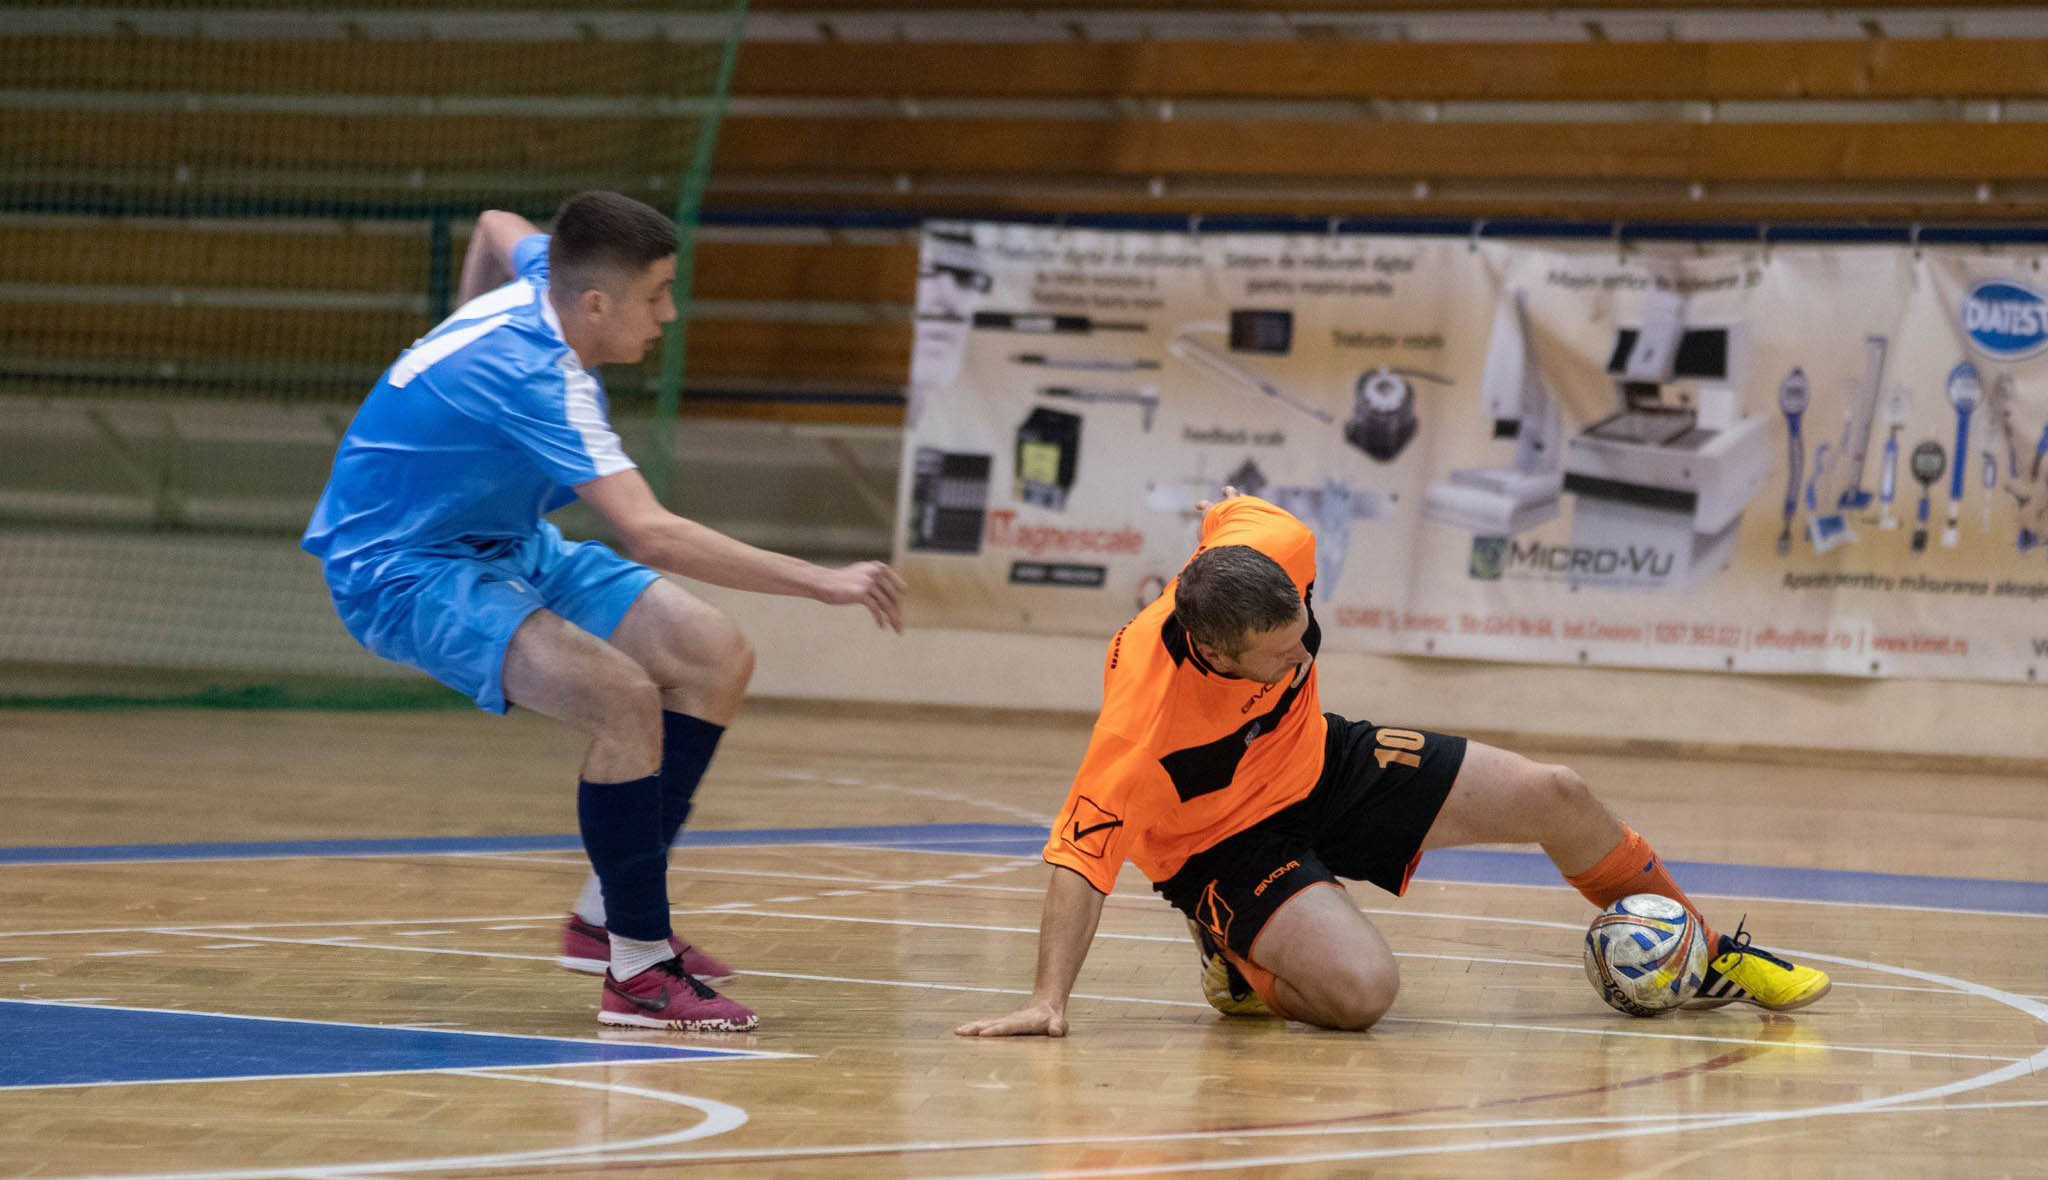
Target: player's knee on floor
[(1360, 1003), (1352, 1000)]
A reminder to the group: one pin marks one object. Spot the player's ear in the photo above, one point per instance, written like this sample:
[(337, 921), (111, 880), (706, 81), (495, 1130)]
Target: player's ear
[(594, 302)]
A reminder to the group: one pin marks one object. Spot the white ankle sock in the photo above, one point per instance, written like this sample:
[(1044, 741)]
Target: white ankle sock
[(590, 903), (631, 956)]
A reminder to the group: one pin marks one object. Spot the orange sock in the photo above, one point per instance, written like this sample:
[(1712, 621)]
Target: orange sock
[(1264, 982), (1632, 867)]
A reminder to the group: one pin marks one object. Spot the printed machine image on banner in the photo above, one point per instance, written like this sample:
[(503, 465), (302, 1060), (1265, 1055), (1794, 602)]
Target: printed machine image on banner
[(1794, 460)]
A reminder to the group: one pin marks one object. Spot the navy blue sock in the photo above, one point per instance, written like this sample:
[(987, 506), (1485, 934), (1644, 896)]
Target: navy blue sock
[(687, 744), (621, 825)]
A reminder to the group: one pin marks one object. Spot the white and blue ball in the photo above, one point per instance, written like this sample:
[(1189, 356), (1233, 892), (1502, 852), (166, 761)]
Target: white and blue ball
[(1645, 954)]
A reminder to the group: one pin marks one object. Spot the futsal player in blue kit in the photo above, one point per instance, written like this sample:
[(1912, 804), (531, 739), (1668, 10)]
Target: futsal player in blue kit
[(434, 546)]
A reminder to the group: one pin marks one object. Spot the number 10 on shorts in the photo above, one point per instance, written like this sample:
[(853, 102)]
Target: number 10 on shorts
[(1398, 745)]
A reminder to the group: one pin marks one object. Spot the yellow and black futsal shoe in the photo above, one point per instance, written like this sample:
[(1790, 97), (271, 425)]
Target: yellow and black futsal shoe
[(1743, 972)]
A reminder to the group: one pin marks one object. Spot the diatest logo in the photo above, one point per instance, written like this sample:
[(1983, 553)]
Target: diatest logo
[(2005, 319)]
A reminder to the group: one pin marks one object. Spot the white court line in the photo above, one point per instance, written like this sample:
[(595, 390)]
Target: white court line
[(923, 985), (354, 944), (689, 869), (223, 926), (1660, 1036), (711, 1052), (1672, 1121), (526, 923), (734, 907), (87, 1002), (878, 884), (1655, 1126), (719, 1117), (2026, 1067), (1028, 815), (926, 847), (951, 881), (1358, 1127)]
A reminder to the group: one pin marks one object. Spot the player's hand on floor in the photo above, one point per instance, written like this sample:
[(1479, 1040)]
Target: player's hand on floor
[(871, 584), (1034, 1021)]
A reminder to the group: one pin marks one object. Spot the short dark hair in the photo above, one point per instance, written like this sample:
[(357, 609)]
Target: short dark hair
[(1227, 593), (601, 236)]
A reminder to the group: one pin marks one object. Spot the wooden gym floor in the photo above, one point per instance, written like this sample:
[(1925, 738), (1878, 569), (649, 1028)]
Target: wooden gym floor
[(288, 975)]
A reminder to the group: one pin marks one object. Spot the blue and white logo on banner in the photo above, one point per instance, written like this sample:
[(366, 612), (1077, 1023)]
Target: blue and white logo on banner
[(2006, 320)]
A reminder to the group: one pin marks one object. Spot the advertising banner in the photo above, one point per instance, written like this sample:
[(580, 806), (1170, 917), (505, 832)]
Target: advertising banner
[(1818, 459)]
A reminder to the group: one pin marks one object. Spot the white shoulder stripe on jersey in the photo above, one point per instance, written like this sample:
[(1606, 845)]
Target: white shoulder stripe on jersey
[(600, 442), (420, 357), (510, 297)]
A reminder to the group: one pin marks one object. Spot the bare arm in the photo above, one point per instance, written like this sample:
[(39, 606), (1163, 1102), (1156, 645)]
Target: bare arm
[(1072, 911), (654, 535), (488, 264)]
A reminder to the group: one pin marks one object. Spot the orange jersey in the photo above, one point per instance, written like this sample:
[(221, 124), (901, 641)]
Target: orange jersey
[(1182, 755)]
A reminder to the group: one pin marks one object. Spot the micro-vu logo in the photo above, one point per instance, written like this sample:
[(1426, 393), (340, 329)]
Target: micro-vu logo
[(2005, 319)]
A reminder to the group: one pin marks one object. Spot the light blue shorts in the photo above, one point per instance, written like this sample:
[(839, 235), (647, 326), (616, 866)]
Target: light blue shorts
[(453, 617)]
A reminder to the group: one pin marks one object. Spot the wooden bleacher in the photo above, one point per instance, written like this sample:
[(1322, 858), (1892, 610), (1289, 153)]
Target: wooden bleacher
[(1309, 124)]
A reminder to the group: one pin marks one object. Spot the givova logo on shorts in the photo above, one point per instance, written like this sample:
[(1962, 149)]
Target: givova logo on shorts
[(2005, 319)]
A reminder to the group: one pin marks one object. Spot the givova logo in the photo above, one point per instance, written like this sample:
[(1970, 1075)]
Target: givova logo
[(2005, 319)]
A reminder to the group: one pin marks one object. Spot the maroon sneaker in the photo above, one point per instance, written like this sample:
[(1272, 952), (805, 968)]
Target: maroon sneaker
[(668, 996), (586, 948)]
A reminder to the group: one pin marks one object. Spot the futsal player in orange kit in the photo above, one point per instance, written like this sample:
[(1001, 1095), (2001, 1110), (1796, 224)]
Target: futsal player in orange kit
[(1213, 769)]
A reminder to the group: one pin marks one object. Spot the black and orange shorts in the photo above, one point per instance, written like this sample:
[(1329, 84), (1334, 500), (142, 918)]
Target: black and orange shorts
[(1365, 820)]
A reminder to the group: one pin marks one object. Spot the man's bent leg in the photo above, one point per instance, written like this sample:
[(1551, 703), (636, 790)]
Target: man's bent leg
[(564, 672), (561, 671), (1501, 797), (690, 649), (1328, 963), (701, 664)]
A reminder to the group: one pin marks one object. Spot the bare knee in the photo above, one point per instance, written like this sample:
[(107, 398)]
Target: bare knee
[(1564, 789), (1360, 1000), (737, 662), (630, 714), (725, 661), (1553, 793), (1561, 807)]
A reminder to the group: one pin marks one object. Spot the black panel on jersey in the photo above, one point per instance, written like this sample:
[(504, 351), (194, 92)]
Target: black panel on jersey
[(1201, 770)]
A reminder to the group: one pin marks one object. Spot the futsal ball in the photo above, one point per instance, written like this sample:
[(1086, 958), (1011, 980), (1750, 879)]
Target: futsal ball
[(1645, 954)]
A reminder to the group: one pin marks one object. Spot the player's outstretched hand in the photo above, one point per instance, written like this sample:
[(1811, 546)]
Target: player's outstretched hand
[(1035, 1021), (872, 584), (1228, 493)]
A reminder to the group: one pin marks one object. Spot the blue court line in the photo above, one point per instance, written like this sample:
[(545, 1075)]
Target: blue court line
[(74, 1044), (1472, 866), (1461, 865)]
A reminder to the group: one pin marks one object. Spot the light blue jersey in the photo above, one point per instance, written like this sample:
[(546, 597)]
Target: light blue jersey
[(430, 529), (478, 429)]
